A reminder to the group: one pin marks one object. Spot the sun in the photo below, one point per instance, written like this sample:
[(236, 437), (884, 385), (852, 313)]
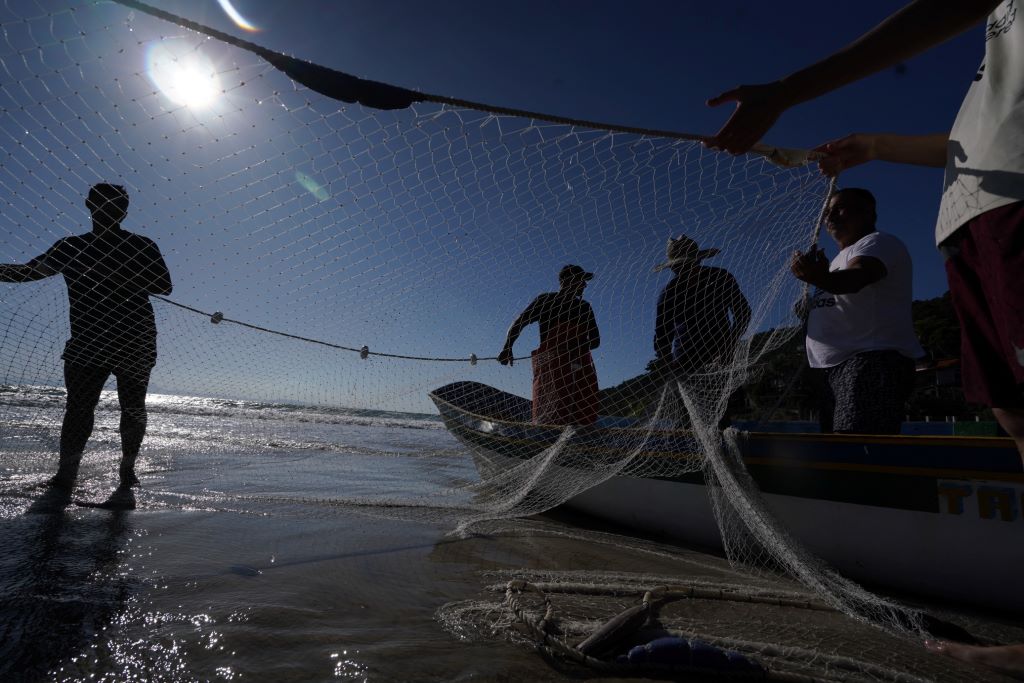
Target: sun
[(183, 74)]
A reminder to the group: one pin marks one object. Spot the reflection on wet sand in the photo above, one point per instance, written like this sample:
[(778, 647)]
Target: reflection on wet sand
[(59, 585)]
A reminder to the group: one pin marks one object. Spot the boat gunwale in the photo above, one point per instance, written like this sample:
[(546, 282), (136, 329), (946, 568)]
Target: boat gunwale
[(802, 437), (916, 439)]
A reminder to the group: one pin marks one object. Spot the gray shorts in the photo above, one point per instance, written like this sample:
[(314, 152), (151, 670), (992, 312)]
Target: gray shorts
[(867, 394)]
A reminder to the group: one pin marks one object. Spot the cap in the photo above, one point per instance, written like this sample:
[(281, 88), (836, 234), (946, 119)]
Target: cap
[(573, 272)]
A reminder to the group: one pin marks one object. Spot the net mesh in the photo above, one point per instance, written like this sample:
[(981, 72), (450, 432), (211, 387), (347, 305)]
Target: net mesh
[(349, 260)]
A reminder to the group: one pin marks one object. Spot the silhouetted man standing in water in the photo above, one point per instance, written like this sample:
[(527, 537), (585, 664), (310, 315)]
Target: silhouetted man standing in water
[(110, 274)]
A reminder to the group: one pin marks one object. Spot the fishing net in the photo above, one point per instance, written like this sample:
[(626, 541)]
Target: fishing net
[(647, 611), (346, 247)]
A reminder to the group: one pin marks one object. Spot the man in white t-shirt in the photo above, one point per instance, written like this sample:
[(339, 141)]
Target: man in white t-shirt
[(860, 332), (981, 220)]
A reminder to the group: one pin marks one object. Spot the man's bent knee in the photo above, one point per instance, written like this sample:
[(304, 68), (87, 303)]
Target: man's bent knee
[(134, 415), (1012, 420)]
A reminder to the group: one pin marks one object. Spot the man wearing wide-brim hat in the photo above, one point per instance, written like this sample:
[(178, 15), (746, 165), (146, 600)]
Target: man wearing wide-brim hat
[(683, 251), (564, 379), (702, 312)]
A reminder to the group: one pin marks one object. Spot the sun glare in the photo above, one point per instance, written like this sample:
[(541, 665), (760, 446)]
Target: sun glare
[(236, 16), (184, 75)]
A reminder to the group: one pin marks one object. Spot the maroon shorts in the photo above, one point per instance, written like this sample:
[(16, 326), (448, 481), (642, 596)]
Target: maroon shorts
[(986, 282)]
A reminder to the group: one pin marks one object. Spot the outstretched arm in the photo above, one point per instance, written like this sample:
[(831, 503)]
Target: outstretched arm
[(920, 25), (505, 357), (859, 148), (36, 269)]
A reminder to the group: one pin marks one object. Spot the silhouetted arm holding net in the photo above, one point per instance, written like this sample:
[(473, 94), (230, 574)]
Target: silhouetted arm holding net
[(917, 27), (24, 273), (41, 267), (858, 148), (530, 315)]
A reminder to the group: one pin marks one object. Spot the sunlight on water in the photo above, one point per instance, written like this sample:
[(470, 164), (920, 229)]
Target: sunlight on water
[(246, 559)]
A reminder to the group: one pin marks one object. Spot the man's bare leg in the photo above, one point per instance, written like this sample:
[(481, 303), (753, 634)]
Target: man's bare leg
[(1012, 420), (84, 385), (133, 429), (131, 393), (1007, 659)]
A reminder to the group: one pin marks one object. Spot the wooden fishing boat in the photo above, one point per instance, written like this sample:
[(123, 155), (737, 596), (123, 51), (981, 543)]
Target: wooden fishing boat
[(932, 515)]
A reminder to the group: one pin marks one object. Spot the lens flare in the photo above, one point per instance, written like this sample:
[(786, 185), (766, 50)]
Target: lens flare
[(181, 72), (312, 186), (236, 17)]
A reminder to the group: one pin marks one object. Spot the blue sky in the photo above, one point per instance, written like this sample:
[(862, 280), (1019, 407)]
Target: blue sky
[(354, 271), (649, 64)]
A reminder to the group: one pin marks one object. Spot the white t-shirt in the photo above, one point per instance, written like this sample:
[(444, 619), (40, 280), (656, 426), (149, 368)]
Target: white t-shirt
[(985, 155), (876, 318)]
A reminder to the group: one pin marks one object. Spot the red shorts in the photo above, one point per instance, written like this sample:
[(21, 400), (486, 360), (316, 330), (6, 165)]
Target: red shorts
[(986, 282), (564, 388)]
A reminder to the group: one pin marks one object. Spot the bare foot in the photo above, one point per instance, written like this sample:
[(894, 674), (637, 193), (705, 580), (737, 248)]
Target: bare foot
[(55, 499), (123, 498), (1007, 659)]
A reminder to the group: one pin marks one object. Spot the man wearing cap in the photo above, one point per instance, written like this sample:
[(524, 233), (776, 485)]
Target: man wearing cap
[(860, 331), (564, 379), (702, 312)]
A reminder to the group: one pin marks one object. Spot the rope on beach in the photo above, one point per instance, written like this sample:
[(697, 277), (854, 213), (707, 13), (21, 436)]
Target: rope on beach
[(557, 649), (670, 593)]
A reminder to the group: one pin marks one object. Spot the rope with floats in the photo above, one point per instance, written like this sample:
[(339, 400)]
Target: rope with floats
[(364, 351), (347, 88)]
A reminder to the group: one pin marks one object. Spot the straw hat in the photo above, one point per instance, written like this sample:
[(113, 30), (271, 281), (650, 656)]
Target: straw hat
[(681, 250), (574, 273)]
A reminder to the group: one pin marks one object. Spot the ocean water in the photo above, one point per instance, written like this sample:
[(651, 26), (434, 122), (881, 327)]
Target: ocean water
[(249, 559)]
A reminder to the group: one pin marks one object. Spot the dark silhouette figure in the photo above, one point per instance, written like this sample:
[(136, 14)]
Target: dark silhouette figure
[(701, 312), (110, 274), (564, 378)]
